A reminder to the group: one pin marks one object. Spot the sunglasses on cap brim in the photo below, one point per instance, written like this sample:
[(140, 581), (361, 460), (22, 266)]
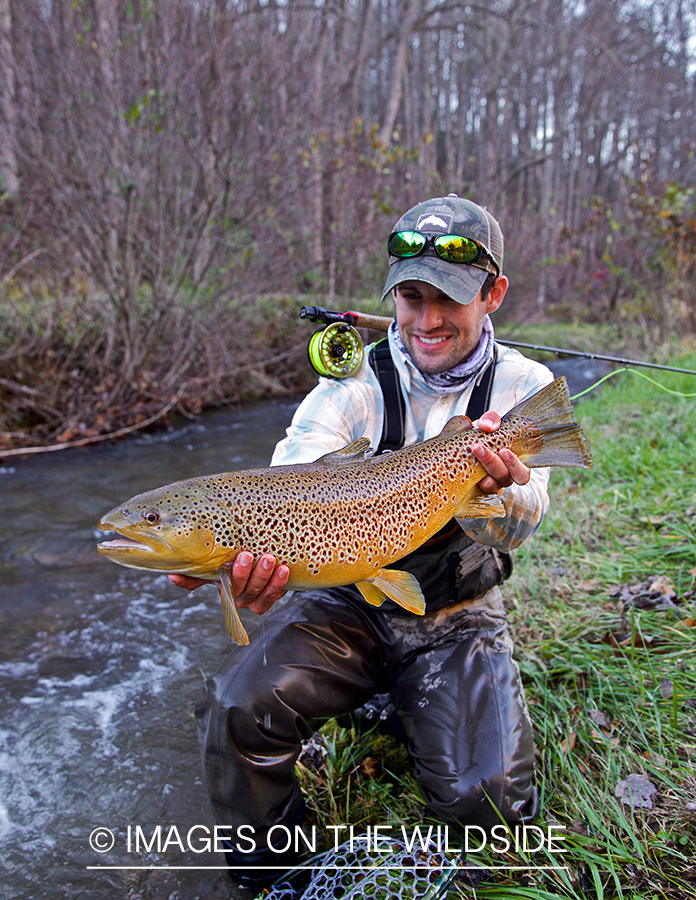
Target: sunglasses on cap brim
[(452, 248)]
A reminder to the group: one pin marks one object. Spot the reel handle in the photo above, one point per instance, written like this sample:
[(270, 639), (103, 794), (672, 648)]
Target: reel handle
[(357, 319)]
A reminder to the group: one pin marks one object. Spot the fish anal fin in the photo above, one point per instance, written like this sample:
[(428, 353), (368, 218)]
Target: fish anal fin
[(233, 624), (478, 505), (373, 595), (351, 453), (401, 587)]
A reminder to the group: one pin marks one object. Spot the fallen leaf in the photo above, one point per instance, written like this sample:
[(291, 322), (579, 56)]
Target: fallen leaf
[(667, 689), (604, 737), (635, 791), (656, 758), (599, 718), (662, 585), (370, 767), (568, 744), (591, 585)]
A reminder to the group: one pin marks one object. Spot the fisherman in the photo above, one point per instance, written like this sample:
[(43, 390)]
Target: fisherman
[(447, 681)]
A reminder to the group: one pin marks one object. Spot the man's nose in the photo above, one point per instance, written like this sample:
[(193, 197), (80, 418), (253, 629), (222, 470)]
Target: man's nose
[(429, 315)]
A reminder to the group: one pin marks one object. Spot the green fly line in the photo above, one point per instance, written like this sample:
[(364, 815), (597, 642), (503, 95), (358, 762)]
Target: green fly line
[(639, 375)]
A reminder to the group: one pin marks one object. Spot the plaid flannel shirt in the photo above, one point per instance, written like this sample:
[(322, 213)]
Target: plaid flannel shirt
[(338, 412)]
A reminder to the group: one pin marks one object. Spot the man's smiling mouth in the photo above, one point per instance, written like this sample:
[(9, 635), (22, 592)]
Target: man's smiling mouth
[(431, 341)]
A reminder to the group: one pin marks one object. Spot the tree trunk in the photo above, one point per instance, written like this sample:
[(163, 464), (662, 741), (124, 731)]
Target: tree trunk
[(8, 110)]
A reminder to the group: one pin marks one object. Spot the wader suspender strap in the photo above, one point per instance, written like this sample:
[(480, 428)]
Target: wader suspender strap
[(395, 405)]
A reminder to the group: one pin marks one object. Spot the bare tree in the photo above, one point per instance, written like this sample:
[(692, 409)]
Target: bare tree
[(9, 178)]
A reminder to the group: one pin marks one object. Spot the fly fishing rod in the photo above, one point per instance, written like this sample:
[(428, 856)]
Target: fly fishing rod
[(337, 350)]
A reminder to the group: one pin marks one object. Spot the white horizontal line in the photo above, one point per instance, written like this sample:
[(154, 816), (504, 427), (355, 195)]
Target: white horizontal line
[(338, 868)]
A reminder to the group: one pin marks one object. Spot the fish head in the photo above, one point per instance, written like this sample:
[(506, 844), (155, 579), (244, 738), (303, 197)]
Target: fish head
[(175, 528)]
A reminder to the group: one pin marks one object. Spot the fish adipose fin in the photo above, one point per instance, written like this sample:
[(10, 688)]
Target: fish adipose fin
[(351, 453), (563, 442), (480, 506), (233, 624), (401, 587)]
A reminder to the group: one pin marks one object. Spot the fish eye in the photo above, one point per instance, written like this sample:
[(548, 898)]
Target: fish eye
[(151, 516)]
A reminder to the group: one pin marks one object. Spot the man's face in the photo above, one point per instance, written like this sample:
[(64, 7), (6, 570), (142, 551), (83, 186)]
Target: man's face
[(438, 332)]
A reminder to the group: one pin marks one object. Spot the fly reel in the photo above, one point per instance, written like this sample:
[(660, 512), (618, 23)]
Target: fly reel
[(336, 351)]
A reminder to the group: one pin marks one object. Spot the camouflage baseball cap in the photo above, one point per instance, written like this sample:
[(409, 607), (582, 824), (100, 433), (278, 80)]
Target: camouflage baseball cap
[(447, 215)]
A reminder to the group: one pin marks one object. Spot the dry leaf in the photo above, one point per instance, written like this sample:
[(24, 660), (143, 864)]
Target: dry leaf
[(635, 791), (599, 718), (370, 767), (568, 744), (656, 758), (667, 689)]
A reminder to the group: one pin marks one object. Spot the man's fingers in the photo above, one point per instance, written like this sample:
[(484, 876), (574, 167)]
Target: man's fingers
[(186, 582), (519, 473), (503, 468), (489, 422), (258, 586), (273, 591)]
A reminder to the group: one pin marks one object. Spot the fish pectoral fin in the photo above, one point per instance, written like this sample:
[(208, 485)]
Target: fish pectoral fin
[(233, 624), (351, 453), (478, 505), (401, 587)]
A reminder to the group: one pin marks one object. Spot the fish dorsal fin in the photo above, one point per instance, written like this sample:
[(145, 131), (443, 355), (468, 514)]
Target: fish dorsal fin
[(233, 624), (456, 425), (351, 453)]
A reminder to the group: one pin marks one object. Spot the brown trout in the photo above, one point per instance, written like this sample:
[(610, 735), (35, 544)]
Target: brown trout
[(342, 519)]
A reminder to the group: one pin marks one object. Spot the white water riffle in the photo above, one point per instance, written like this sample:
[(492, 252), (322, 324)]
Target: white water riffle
[(100, 668)]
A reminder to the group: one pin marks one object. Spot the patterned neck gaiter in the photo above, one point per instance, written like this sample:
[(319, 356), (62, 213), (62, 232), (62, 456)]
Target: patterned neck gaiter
[(460, 376)]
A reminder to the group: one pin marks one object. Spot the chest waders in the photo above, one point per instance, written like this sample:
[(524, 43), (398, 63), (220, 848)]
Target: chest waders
[(450, 567)]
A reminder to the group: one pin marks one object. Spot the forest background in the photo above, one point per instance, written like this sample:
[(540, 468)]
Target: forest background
[(179, 176)]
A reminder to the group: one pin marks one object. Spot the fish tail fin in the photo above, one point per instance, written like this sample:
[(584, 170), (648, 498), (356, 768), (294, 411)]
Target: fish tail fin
[(401, 587), (562, 440), (233, 624)]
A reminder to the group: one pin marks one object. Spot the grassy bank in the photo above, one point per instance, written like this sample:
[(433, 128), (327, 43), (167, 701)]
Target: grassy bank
[(604, 616)]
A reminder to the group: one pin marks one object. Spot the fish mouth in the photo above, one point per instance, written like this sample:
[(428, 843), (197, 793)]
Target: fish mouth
[(124, 544)]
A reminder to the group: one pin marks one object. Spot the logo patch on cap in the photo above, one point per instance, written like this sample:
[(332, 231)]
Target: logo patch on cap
[(435, 224)]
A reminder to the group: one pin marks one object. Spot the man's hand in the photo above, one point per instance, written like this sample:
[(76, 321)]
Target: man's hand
[(504, 468), (255, 586)]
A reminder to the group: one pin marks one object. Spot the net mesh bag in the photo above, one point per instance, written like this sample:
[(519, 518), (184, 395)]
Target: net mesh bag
[(356, 870)]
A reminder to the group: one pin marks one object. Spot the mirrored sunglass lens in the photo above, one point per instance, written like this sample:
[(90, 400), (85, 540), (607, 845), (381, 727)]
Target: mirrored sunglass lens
[(455, 248), (407, 243)]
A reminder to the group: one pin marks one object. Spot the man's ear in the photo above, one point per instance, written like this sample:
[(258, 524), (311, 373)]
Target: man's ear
[(496, 293)]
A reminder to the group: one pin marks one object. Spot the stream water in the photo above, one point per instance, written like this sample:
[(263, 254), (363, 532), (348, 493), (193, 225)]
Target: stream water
[(100, 667)]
